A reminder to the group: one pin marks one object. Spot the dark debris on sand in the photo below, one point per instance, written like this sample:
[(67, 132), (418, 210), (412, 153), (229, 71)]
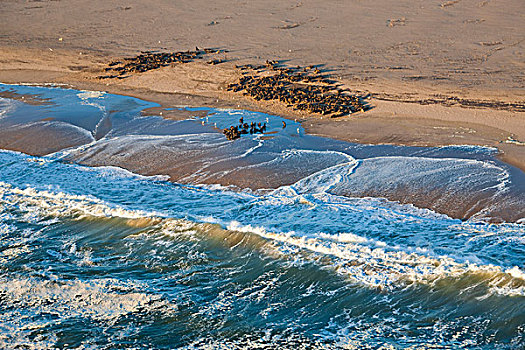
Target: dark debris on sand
[(450, 101), (148, 60), (301, 88)]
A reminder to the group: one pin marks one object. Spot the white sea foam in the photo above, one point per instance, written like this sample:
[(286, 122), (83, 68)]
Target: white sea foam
[(471, 148), (448, 180), (42, 303), (322, 181), (295, 155), (144, 141), (92, 98), (379, 265), (45, 203), (283, 159), (102, 299), (5, 229), (389, 173), (61, 85), (363, 260), (7, 105), (11, 253), (389, 210), (85, 95), (319, 184), (260, 143), (64, 125), (516, 272), (115, 172)]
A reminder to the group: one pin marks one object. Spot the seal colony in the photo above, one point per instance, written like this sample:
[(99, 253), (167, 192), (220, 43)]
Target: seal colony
[(148, 60), (235, 131), (300, 88)]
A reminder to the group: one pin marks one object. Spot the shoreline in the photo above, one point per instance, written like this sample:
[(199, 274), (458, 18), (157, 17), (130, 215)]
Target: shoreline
[(198, 84), (182, 162)]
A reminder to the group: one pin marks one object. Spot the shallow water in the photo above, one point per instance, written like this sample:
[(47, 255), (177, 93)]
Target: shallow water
[(103, 258)]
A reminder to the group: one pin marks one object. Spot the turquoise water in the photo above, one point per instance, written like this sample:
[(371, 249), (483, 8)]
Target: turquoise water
[(99, 257)]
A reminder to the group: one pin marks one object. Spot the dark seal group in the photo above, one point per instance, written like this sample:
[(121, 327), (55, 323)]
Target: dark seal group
[(235, 131), (148, 60), (301, 88)]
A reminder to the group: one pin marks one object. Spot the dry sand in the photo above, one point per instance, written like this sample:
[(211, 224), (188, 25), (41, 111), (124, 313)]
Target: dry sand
[(404, 53)]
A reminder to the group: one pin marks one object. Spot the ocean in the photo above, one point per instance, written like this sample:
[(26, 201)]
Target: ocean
[(134, 231)]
